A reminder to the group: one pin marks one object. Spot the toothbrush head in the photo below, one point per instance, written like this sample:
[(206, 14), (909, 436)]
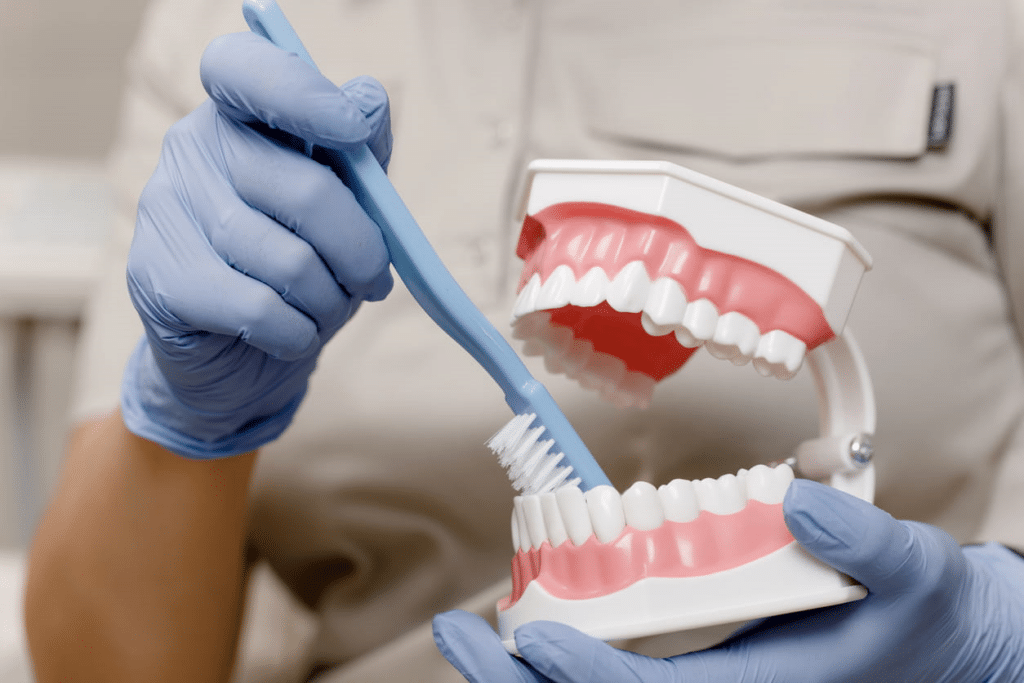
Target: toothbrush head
[(532, 467)]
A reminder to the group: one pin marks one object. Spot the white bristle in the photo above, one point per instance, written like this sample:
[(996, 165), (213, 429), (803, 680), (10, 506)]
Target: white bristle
[(532, 469)]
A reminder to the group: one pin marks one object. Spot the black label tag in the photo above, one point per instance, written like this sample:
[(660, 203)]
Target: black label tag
[(940, 124)]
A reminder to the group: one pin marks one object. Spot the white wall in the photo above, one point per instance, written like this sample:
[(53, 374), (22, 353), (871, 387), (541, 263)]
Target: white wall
[(61, 65)]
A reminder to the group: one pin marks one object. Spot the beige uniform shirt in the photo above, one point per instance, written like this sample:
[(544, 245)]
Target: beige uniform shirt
[(380, 506)]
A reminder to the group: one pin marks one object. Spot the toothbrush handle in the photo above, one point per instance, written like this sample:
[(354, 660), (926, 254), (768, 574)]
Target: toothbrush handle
[(426, 277)]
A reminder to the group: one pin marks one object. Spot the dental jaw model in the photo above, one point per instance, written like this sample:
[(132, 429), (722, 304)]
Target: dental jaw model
[(630, 267)]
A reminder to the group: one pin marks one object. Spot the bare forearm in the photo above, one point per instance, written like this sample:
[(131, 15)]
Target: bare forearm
[(136, 569)]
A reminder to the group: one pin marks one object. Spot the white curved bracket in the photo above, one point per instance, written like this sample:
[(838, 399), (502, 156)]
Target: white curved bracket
[(843, 453)]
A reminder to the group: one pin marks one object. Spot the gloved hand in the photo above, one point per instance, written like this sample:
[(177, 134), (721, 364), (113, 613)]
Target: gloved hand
[(248, 255), (935, 613)]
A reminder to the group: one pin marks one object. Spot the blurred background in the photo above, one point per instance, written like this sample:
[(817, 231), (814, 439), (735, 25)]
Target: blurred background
[(61, 66)]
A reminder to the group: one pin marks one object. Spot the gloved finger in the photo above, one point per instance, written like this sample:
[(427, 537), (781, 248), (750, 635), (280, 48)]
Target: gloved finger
[(250, 79), (474, 649), (212, 297), (566, 655), (886, 555), (258, 246), (309, 199), (371, 98)]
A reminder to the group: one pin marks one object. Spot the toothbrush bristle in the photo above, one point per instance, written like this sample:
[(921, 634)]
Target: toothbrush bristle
[(531, 467)]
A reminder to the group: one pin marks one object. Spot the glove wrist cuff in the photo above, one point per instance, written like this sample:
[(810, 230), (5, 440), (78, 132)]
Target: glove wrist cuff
[(150, 410)]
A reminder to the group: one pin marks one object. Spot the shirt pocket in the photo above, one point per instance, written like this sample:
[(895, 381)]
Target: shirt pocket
[(750, 97)]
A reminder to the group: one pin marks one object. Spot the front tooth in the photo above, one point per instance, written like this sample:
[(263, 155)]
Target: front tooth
[(679, 499), (573, 506), (735, 338), (606, 515), (526, 302), (699, 323), (591, 289), (557, 288), (520, 520), (628, 291), (665, 305), (720, 496), (780, 354), (642, 507), (516, 546), (534, 515), (769, 484), (553, 519)]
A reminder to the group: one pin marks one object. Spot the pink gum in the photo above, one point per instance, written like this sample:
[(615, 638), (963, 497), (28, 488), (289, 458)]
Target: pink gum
[(709, 544), (583, 235)]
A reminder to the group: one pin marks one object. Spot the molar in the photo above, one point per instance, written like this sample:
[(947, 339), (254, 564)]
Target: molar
[(606, 514), (573, 506), (768, 484), (642, 507), (780, 354), (679, 500), (720, 496), (735, 339)]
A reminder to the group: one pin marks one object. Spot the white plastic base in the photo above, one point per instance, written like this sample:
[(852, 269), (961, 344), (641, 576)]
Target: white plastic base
[(787, 580)]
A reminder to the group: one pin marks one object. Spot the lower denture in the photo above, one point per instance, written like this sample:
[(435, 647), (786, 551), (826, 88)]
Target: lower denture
[(709, 544)]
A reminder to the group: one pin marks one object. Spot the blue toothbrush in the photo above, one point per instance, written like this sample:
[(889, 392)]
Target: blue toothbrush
[(536, 461)]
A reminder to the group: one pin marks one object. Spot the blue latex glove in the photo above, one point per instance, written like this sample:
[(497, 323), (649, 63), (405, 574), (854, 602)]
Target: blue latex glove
[(248, 255), (935, 613)]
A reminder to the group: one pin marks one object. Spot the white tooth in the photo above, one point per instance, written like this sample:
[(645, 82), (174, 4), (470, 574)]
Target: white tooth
[(665, 305), (735, 339), (591, 289), (520, 520), (628, 291), (652, 328), (642, 507), (780, 354), (733, 494), (606, 515), (557, 288), (639, 387), (699, 322), (515, 531), (534, 520), (553, 519), (526, 302), (679, 500), (712, 498), (768, 484), (573, 506)]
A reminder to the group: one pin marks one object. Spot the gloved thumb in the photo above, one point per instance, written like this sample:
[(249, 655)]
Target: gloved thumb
[(864, 542)]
